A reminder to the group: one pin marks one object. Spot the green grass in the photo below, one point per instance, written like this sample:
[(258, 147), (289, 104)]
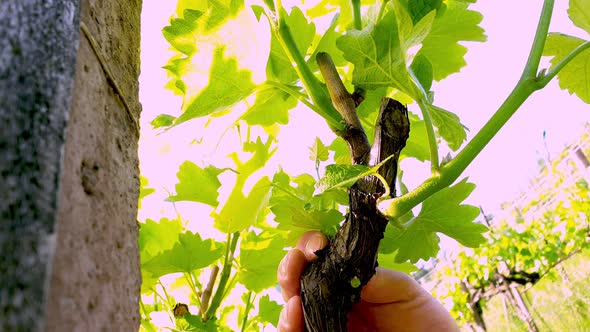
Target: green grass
[(557, 304)]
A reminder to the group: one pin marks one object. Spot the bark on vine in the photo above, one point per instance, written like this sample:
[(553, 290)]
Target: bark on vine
[(332, 284)]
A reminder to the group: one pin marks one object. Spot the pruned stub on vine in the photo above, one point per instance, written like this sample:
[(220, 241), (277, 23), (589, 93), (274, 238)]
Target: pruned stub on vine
[(332, 284)]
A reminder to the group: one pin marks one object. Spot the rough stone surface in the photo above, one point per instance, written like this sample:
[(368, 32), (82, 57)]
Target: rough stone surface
[(38, 47), (95, 280)]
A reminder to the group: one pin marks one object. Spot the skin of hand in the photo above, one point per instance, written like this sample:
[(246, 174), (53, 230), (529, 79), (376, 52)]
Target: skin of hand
[(391, 301)]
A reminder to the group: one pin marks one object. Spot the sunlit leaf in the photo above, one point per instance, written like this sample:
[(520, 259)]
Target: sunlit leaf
[(575, 76), (197, 184), (377, 56), (579, 13), (259, 260), (162, 120), (441, 47), (155, 237), (240, 211), (318, 151), (440, 213), (270, 107), (279, 67), (144, 190), (227, 86), (269, 310), (188, 254), (449, 126)]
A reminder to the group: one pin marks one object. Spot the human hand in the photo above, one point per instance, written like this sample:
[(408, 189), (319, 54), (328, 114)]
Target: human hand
[(391, 301)]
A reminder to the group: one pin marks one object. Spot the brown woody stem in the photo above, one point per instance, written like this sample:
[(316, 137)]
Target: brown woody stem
[(330, 286)]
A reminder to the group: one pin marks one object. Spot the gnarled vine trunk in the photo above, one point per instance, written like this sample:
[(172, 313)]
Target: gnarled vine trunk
[(332, 284)]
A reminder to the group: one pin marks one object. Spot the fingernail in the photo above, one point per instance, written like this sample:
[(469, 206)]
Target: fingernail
[(283, 266), (314, 244)]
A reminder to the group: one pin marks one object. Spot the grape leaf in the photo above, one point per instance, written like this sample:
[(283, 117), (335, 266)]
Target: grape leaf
[(449, 126), (155, 237), (422, 70), (341, 152), (444, 213), (579, 13), (318, 151), (197, 184), (227, 86), (575, 76), (417, 144), (181, 31), (271, 106), (441, 47), (259, 259), (295, 209), (342, 176), (143, 190), (269, 310), (294, 219), (188, 254), (240, 212), (387, 261), (262, 153), (162, 120), (327, 44), (215, 12), (279, 67), (419, 8), (338, 176), (378, 58)]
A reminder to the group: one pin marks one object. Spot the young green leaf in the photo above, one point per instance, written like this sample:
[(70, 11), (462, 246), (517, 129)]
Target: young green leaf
[(262, 152), (378, 58), (422, 70), (259, 259), (297, 212), (419, 8), (162, 120), (338, 176), (417, 145), (579, 13), (341, 152), (155, 237), (188, 254), (441, 47), (440, 213), (197, 184), (271, 106), (269, 310), (387, 261), (240, 212), (575, 76), (144, 190), (342, 176), (279, 67), (448, 125), (227, 86), (318, 151), (327, 44), (181, 33)]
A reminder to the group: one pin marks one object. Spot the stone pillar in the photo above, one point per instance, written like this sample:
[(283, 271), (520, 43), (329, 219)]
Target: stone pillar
[(69, 259), (38, 47)]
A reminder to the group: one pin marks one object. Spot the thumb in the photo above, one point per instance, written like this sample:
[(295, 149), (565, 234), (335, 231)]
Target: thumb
[(389, 286)]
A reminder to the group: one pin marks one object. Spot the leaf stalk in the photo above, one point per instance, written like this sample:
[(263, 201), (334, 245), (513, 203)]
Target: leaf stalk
[(232, 241), (434, 163), (317, 93)]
